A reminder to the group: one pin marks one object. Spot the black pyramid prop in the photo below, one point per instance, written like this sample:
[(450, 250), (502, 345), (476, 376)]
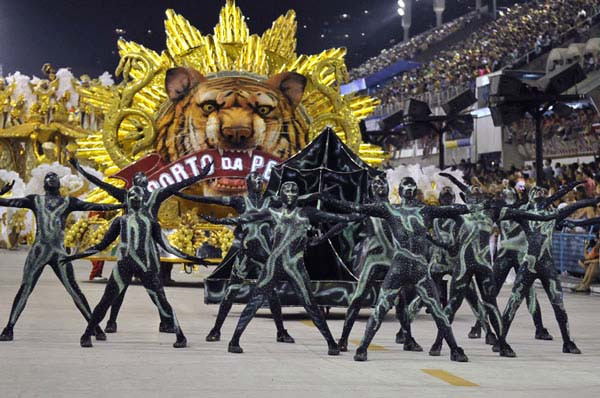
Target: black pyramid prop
[(326, 163)]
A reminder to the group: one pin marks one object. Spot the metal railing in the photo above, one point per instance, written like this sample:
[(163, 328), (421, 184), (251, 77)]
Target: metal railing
[(433, 98), (568, 249)]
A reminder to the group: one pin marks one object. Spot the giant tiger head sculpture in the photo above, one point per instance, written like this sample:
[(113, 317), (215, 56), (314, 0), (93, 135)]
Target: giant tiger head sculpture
[(231, 114)]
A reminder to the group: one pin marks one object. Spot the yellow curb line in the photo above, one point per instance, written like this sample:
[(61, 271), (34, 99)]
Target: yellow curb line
[(449, 378), (373, 347)]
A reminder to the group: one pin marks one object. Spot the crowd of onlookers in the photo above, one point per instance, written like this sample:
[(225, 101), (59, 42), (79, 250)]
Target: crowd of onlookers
[(493, 179), (410, 49), (576, 134), (535, 25), (571, 135)]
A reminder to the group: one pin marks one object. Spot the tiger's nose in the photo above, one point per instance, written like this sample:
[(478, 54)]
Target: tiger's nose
[(237, 135)]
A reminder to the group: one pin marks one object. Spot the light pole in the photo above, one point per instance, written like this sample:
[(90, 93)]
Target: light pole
[(405, 12), (438, 7)]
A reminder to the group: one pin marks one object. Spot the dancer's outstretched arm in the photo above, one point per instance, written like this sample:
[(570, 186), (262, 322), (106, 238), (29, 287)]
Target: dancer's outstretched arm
[(255, 216), (341, 221), (117, 193), (566, 211), (438, 243), (80, 205), (232, 201), (164, 193), (450, 211), (304, 200), (23, 203), (369, 209), (109, 237), (562, 191), (461, 185), (318, 216), (220, 221), (508, 213)]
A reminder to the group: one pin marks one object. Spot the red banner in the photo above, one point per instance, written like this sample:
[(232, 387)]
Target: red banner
[(229, 164)]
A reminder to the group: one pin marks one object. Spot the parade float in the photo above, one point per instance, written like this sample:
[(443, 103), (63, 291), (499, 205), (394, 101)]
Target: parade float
[(245, 102)]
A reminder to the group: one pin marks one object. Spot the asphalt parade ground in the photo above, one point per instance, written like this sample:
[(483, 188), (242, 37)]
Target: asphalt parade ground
[(45, 359)]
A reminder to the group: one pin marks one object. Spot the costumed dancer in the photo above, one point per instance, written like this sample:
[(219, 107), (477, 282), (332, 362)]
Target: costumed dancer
[(251, 248), (539, 264), (137, 255), (409, 223), (512, 252), (151, 205), (376, 252), (443, 261), (290, 225), (475, 260), (50, 211)]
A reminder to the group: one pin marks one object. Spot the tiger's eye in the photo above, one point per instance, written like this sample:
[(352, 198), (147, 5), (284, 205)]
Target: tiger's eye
[(208, 107), (264, 110)]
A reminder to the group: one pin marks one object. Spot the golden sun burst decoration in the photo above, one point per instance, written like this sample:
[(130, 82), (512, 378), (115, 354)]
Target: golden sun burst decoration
[(132, 104)]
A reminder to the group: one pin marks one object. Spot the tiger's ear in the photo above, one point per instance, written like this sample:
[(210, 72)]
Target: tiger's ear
[(179, 81), (291, 84)]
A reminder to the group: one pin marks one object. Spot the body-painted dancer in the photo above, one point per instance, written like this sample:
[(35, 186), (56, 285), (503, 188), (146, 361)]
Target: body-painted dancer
[(409, 223), (51, 211), (137, 255), (253, 246), (151, 204), (376, 254), (511, 252), (475, 261), (539, 264), (290, 225), (443, 261)]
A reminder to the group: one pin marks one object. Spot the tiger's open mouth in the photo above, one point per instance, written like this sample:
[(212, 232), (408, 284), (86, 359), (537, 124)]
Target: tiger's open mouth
[(234, 165), (232, 185), (228, 185), (236, 151)]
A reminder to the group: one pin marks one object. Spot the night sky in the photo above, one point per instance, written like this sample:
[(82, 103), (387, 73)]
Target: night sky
[(81, 34)]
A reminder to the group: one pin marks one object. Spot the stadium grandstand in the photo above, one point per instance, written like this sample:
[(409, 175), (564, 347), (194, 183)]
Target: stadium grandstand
[(528, 39)]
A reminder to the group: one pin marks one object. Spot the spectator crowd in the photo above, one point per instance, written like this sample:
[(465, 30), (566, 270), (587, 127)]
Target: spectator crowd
[(536, 25), (410, 49), (576, 134)]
